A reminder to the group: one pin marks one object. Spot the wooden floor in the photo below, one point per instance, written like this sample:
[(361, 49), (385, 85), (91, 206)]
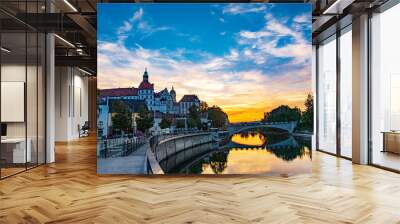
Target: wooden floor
[(70, 191)]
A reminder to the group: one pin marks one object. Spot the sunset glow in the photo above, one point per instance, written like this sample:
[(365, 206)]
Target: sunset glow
[(245, 58)]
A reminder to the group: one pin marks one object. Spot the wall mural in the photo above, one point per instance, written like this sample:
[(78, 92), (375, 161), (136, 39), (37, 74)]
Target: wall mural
[(204, 89)]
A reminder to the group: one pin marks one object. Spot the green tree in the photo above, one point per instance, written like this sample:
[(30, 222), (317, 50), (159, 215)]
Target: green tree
[(217, 117), (192, 123), (194, 117), (165, 123), (180, 124), (122, 118), (283, 113), (307, 117), (145, 119), (203, 106)]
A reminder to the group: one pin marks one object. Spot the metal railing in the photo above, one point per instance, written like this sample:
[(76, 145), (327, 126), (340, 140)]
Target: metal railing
[(119, 146)]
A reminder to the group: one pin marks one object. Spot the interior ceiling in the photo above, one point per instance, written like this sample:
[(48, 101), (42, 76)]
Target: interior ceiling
[(78, 27), (328, 13)]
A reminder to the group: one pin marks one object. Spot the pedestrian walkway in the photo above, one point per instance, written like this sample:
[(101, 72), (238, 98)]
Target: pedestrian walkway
[(132, 164)]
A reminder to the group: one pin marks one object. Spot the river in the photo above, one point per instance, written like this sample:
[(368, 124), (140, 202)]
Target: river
[(252, 152)]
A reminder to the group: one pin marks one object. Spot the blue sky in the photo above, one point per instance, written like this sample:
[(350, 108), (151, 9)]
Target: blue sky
[(208, 49)]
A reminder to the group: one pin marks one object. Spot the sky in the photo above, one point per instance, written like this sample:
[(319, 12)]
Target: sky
[(246, 58)]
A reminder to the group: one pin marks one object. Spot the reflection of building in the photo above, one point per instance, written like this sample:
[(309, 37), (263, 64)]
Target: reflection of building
[(163, 101)]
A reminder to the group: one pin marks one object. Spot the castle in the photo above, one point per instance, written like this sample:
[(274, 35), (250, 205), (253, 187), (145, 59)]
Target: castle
[(163, 102)]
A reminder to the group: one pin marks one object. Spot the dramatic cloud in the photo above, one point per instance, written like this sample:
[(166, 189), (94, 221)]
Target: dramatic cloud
[(137, 15), (264, 43), (137, 24), (125, 28), (238, 8), (261, 68), (244, 95), (305, 18)]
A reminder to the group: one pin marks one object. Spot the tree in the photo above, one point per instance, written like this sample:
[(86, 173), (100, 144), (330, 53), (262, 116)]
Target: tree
[(217, 117), (145, 119), (165, 123), (194, 117), (307, 117), (180, 124), (203, 106), (122, 119), (283, 113), (192, 123), (219, 162)]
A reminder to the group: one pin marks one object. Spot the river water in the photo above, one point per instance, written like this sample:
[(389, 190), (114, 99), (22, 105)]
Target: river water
[(250, 152)]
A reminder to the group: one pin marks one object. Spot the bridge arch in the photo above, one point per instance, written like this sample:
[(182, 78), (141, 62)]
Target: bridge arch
[(286, 126)]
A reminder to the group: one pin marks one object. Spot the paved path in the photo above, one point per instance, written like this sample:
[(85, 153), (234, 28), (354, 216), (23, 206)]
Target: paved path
[(132, 164)]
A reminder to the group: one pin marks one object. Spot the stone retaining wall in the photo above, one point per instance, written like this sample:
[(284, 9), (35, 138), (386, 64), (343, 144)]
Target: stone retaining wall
[(174, 145)]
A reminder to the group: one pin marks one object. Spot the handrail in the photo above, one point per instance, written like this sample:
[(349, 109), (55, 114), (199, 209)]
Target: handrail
[(152, 166)]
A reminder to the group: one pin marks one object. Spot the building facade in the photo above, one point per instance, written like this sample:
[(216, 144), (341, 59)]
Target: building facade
[(163, 101), (159, 103)]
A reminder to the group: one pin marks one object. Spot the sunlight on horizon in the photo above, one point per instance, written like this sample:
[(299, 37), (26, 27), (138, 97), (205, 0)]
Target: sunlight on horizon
[(245, 63), (239, 108)]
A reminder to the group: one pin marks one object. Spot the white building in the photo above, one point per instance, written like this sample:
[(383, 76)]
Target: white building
[(163, 102)]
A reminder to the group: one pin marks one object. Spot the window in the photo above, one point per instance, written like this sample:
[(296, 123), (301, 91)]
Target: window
[(23, 64), (346, 93), (327, 95), (385, 89)]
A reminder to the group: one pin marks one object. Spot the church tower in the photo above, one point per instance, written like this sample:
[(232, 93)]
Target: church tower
[(145, 76), (146, 91), (173, 94)]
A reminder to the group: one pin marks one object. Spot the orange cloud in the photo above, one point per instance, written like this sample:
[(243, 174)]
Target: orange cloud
[(244, 96)]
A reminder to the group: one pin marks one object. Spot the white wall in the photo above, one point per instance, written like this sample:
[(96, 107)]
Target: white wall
[(17, 73), (71, 103), (33, 126)]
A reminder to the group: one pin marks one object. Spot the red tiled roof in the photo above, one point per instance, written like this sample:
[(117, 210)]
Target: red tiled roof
[(146, 85), (119, 92), (189, 98)]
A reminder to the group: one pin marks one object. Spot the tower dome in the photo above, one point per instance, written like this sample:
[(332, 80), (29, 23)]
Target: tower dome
[(145, 84)]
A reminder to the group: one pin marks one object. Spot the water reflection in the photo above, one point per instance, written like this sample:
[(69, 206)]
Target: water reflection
[(254, 153), (249, 139)]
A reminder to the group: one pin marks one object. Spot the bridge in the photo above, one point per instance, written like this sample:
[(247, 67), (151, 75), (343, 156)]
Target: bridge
[(288, 143), (240, 127)]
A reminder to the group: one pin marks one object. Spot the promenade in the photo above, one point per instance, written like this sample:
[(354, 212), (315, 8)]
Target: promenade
[(132, 164)]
